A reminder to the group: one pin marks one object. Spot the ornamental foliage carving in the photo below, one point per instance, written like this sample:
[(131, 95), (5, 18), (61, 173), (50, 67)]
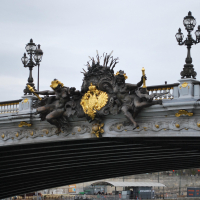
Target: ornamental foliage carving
[(112, 128), (157, 126)]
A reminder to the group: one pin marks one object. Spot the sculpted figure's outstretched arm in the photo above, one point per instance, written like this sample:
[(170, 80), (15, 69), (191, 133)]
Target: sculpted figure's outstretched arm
[(141, 81), (66, 92), (135, 86), (46, 92)]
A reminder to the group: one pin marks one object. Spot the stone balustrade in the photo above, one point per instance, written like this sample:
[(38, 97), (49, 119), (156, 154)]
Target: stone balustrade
[(9, 106), (170, 88)]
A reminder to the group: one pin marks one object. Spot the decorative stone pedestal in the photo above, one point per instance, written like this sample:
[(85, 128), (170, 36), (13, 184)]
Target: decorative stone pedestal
[(187, 89), (25, 106)]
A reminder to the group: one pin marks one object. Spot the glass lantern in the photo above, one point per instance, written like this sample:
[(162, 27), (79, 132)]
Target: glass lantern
[(197, 33), (24, 59), (189, 22), (30, 47), (179, 36), (38, 54)]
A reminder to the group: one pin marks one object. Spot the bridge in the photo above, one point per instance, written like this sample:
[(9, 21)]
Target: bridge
[(108, 129), (34, 157)]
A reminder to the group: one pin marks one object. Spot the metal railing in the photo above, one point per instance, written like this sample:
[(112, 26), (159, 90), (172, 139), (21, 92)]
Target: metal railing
[(9, 106)]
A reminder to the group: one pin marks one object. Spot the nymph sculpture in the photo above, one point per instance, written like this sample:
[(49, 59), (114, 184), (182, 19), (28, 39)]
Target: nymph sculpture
[(55, 105), (129, 97)]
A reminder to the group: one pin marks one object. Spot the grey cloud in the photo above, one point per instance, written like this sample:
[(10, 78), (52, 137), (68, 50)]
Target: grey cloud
[(141, 33)]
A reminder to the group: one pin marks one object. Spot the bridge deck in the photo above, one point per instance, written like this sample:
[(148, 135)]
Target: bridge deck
[(31, 167)]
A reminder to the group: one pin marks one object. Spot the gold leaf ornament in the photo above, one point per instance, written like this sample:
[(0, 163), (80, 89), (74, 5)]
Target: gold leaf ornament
[(125, 76), (32, 90), (25, 100), (184, 84), (24, 124), (45, 131), (183, 112), (157, 126), (55, 83), (144, 80), (97, 129), (119, 126), (93, 100)]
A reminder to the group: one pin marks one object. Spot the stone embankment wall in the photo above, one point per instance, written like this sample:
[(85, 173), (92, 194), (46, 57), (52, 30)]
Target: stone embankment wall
[(173, 183), (182, 198)]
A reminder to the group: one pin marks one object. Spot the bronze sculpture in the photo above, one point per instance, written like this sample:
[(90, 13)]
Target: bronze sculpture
[(55, 105), (102, 93)]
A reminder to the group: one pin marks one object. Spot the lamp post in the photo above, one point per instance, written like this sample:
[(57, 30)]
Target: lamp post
[(35, 57), (189, 22)]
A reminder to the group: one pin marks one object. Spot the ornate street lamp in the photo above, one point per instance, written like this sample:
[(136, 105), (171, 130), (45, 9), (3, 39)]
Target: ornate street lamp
[(189, 22), (38, 58), (35, 53)]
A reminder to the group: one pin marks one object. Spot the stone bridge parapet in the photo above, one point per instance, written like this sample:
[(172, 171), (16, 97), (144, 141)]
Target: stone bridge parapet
[(178, 116)]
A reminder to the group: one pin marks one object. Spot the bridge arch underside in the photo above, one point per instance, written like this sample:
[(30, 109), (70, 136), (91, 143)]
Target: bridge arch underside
[(32, 167)]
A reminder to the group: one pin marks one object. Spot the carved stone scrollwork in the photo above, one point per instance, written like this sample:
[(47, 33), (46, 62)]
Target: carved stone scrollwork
[(145, 126), (46, 132), (81, 129), (26, 133), (195, 124), (157, 126), (120, 127), (43, 132), (6, 135), (179, 124), (106, 84)]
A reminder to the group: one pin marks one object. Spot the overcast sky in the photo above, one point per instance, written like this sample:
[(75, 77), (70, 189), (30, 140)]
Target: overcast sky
[(141, 33)]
